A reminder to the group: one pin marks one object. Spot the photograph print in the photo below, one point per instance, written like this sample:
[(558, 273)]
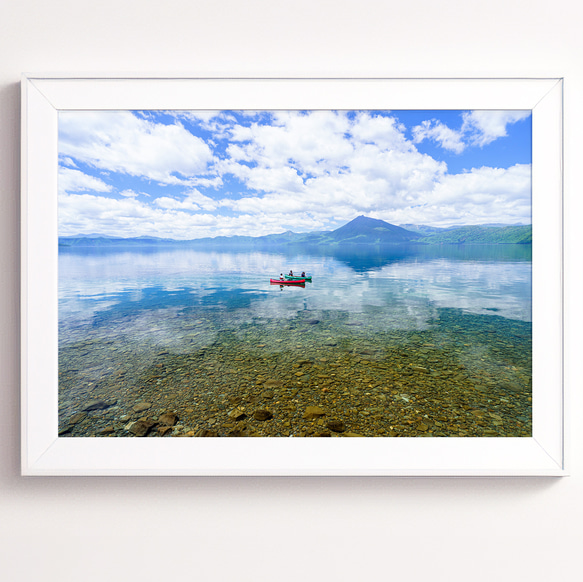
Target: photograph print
[(319, 273)]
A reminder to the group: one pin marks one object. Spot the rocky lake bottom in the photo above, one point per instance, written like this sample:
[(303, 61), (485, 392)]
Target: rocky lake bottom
[(318, 374)]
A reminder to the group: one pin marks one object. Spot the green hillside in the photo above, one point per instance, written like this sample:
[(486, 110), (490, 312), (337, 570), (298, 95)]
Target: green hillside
[(482, 235)]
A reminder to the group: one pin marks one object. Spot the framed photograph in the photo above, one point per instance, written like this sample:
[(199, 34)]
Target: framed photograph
[(292, 277)]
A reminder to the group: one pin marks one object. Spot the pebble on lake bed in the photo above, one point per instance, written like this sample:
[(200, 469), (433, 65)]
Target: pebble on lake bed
[(96, 405), (237, 414), (140, 428), (336, 425), (77, 417), (168, 419), (262, 415), (204, 432)]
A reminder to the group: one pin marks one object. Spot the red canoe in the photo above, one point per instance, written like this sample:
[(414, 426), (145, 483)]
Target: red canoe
[(284, 282)]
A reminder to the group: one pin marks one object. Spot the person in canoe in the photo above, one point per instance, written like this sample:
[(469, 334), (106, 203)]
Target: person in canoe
[(281, 276), (303, 273), (291, 273)]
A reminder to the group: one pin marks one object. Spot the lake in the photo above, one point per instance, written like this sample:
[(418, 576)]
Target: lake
[(397, 341)]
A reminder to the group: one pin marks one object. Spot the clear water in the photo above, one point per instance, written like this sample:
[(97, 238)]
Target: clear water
[(119, 309)]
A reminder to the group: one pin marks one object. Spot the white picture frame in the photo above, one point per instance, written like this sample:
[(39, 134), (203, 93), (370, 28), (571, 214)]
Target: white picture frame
[(44, 453)]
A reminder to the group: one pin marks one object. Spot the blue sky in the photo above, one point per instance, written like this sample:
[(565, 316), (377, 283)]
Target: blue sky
[(192, 174)]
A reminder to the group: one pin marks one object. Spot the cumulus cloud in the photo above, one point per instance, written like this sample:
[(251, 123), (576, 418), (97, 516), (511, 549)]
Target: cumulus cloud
[(326, 160), (85, 213), (65, 161), (384, 132), (118, 141), (483, 127), (129, 194), (479, 128), (497, 183), (71, 180), (194, 201), (311, 143), (481, 196), (437, 131)]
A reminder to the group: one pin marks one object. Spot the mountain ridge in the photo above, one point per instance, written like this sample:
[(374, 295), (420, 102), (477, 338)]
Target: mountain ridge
[(361, 231)]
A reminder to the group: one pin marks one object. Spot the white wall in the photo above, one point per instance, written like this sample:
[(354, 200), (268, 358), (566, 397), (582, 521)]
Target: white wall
[(286, 529)]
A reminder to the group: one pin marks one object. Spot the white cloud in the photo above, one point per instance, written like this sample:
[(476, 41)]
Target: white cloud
[(205, 202), (381, 131), (322, 160), (482, 196), (215, 182), (71, 180), (437, 131), (118, 141), (282, 179), (310, 143), (483, 127), (496, 183), (196, 114), (479, 128), (129, 194), (173, 204), (65, 161), (361, 165), (193, 202), (85, 213)]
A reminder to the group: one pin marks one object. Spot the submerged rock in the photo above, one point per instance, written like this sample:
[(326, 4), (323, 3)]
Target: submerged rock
[(77, 417), (336, 425), (262, 415), (237, 414), (168, 419), (96, 405), (205, 432), (272, 383), (141, 428), (313, 412)]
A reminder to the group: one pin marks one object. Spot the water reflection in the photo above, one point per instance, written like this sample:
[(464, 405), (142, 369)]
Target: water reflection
[(398, 288)]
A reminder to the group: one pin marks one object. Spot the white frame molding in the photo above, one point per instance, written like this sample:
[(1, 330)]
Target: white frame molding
[(43, 453)]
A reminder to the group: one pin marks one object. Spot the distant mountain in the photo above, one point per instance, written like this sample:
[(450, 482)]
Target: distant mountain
[(482, 235), (100, 240), (364, 230), (93, 235), (360, 231)]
